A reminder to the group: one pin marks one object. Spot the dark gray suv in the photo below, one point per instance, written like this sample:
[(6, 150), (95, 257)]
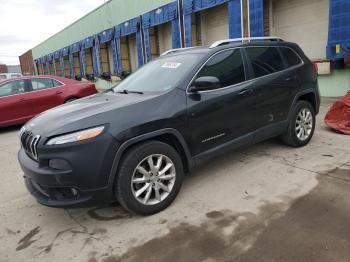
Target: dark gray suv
[(134, 143)]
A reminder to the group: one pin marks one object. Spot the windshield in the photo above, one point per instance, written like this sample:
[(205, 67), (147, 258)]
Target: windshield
[(159, 75)]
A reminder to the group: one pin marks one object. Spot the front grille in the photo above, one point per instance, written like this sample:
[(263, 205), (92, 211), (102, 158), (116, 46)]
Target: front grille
[(29, 143)]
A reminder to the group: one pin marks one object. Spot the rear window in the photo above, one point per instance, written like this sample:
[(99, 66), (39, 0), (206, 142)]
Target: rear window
[(265, 60), (290, 56)]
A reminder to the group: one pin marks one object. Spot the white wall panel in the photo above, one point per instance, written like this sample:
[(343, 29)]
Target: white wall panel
[(214, 24), (303, 22), (165, 37)]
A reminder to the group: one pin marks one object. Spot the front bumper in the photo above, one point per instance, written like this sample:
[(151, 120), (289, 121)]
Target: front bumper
[(63, 197), (84, 183)]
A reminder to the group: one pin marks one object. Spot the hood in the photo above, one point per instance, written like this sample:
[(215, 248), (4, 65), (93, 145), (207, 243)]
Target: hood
[(82, 113)]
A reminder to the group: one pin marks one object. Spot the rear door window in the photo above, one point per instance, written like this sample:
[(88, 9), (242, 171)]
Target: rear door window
[(290, 56), (265, 60), (12, 88), (227, 66), (42, 83)]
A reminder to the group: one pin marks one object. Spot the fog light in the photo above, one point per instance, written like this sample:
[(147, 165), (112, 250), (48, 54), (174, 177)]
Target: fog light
[(74, 192), (59, 164)]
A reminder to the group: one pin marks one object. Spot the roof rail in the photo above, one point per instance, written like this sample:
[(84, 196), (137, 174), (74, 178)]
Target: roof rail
[(176, 49), (245, 39)]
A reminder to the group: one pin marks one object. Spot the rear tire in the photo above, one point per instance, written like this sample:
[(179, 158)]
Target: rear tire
[(149, 178), (301, 125)]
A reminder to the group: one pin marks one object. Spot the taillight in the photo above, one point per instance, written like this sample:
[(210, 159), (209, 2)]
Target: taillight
[(316, 67)]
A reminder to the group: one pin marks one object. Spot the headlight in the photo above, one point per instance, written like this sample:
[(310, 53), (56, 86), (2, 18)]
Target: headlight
[(76, 136)]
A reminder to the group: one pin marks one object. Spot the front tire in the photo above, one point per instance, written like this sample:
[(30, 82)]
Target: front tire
[(149, 178), (301, 125)]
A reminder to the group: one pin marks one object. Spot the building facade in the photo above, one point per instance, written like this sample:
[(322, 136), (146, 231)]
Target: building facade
[(122, 35), (27, 64), (3, 69)]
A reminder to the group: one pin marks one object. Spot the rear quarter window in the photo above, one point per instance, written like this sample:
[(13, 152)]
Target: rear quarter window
[(56, 83)]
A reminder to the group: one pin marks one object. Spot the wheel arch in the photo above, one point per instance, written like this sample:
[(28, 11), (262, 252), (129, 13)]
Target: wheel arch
[(169, 136), (308, 95)]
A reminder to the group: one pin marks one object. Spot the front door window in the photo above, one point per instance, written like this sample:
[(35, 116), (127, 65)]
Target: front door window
[(12, 88)]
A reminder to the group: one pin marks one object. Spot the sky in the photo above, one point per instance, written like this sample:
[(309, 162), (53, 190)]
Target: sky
[(26, 23)]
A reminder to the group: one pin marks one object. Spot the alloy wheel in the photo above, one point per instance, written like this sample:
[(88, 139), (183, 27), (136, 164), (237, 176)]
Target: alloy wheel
[(304, 124), (153, 179)]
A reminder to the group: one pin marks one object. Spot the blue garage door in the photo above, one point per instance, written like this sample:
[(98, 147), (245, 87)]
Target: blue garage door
[(339, 29)]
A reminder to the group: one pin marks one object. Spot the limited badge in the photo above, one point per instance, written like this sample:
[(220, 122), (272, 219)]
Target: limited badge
[(171, 65)]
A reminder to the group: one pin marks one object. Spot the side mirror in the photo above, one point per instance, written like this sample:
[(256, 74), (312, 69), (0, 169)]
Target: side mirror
[(205, 83)]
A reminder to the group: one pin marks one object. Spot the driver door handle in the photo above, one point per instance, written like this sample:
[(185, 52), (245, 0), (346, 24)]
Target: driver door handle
[(245, 92), (59, 92)]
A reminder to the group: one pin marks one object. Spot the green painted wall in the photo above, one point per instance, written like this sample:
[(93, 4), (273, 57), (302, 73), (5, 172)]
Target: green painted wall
[(106, 16), (336, 84)]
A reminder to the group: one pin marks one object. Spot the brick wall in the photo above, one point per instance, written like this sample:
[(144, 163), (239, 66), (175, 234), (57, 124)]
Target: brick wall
[(26, 61), (3, 69)]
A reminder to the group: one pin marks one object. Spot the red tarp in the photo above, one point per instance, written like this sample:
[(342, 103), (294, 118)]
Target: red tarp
[(338, 116)]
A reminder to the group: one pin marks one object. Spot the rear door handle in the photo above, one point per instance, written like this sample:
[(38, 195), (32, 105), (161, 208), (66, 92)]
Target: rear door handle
[(291, 78), (59, 92), (245, 92)]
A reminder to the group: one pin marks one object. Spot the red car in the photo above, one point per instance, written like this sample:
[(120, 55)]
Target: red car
[(25, 97)]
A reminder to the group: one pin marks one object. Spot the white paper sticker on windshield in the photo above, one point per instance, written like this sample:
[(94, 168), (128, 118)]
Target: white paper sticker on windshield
[(171, 65)]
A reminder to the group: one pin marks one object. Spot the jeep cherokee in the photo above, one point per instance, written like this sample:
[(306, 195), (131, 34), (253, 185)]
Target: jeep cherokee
[(135, 142)]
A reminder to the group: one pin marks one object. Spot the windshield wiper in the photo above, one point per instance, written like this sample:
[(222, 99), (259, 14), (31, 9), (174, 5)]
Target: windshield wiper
[(129, 92)]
